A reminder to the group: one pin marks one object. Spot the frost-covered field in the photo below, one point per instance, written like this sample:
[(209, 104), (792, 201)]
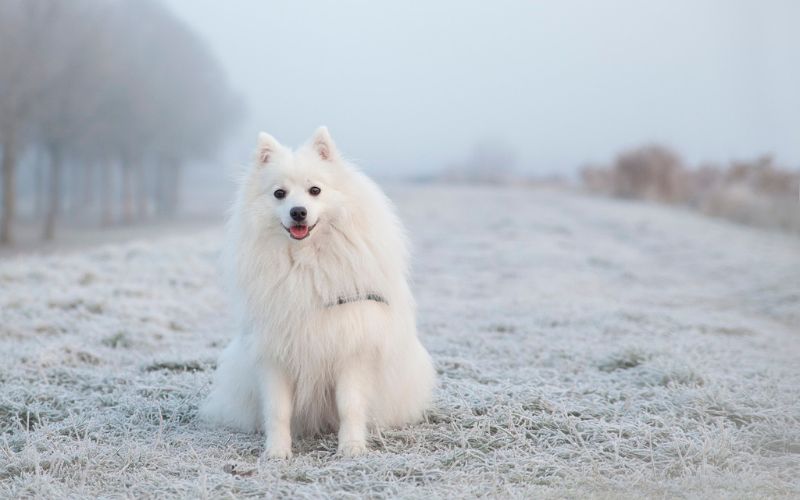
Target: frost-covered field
[(585, 347)]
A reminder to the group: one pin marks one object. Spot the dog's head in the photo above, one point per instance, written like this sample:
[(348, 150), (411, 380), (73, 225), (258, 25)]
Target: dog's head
[(295, 189)]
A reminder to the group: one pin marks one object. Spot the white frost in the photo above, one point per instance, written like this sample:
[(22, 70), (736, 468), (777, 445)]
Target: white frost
[(585, 347)]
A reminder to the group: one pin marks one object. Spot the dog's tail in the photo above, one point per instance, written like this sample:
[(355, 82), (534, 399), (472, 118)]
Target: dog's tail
[(234, 400)]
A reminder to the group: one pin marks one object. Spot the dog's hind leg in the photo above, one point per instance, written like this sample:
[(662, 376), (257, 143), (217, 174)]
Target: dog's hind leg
[(406, 387), (234, 398)]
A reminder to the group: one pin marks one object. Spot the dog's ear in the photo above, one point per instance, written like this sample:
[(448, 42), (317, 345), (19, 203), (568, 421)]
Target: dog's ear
[(323, 144), (267, 147)]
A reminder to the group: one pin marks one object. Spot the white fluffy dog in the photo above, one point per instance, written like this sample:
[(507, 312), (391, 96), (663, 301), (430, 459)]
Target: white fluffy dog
[(320, 275)]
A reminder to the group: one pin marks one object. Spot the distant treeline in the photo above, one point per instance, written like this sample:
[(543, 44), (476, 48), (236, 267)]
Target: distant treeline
[(106, 100), (756, 192)]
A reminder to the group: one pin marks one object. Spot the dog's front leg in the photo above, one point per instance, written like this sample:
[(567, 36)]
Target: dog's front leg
[(276, 400), (351, 404)]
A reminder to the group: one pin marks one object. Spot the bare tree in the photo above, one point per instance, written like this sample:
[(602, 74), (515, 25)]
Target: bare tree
[(20, 87), (98, 86)]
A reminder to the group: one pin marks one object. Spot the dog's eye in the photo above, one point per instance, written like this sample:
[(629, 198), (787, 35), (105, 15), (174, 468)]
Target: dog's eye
[(314, 191), (280, 194)]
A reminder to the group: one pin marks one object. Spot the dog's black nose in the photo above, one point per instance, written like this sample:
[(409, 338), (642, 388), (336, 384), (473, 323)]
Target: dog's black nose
[(298, 213)]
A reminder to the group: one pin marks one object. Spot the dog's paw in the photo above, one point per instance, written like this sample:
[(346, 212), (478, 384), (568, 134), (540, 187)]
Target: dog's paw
[(277, 452), (352, 448)]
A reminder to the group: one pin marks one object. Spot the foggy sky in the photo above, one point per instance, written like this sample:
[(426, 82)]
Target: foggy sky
[(408, 87)]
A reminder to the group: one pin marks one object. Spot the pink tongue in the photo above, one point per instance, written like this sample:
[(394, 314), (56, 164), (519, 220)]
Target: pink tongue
[(299, 231)]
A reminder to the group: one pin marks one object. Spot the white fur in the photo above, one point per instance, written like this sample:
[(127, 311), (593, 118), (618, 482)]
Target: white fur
[(300, 367)]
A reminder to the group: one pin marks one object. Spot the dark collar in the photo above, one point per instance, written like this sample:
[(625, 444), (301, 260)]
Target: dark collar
[(346, 299)]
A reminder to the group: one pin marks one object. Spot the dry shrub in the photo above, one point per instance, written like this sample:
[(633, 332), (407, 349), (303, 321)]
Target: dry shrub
[(756, 192), (651, 173)]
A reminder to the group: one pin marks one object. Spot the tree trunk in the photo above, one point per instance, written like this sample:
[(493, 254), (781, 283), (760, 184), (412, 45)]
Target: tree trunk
[(107, 215), (127, 191), (87, 188), (168, 187), (174, 198), (9, 191), (39, 188), (54, 198), (142, 194)]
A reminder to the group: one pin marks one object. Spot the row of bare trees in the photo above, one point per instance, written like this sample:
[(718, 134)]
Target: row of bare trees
[(108, 99)]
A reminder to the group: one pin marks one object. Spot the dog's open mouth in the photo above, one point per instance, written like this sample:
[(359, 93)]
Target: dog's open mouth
[(299, 231)]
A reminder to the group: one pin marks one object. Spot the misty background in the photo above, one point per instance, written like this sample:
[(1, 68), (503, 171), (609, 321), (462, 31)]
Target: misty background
[(410, 87), (119, 113)]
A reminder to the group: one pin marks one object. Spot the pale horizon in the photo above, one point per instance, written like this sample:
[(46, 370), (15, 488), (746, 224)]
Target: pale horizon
[(408, 89)]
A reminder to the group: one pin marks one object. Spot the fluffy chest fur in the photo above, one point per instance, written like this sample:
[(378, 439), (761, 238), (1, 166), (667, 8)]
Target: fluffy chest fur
[(288, 294)]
